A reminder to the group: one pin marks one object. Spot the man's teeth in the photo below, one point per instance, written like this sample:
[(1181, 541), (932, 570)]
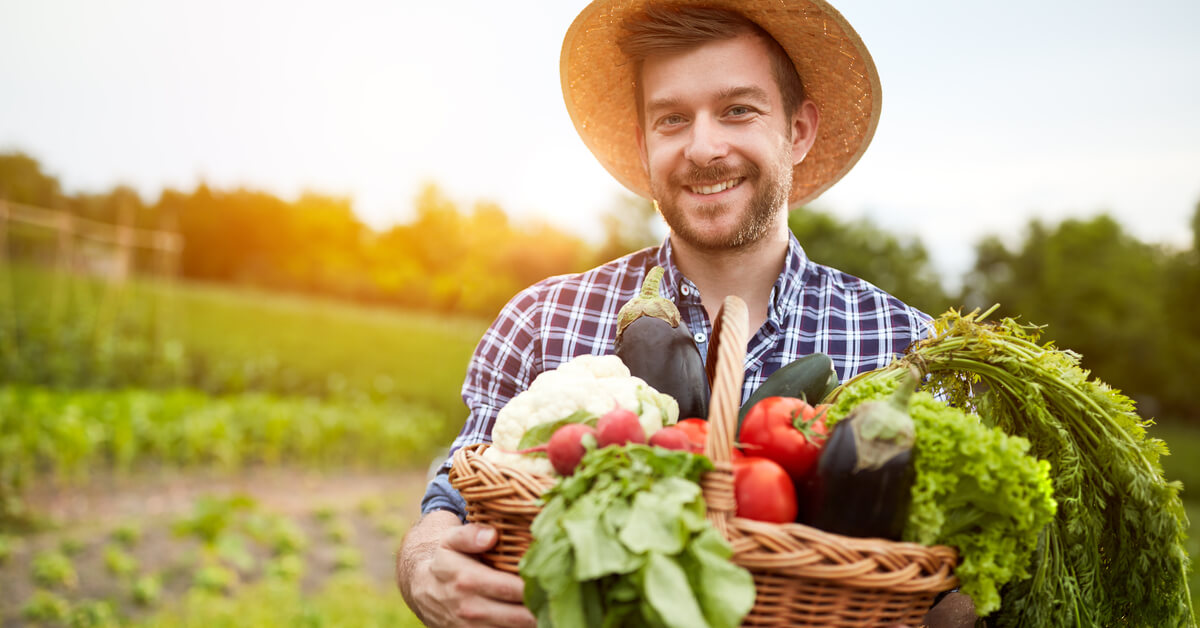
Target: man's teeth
[(716, 187)]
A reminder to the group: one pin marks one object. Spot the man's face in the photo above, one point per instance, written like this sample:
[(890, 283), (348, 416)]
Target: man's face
[(717, 145)]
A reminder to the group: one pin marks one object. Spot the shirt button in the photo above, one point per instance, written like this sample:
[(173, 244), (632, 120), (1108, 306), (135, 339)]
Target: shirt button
[(700, 337), (685, 290)]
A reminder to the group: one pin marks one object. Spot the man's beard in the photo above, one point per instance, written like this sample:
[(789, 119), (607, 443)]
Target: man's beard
[(756, 221)]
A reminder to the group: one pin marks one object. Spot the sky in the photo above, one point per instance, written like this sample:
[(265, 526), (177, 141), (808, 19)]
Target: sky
[(993, 114)]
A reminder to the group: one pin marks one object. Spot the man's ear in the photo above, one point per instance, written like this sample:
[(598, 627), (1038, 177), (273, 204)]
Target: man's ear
[(804, 129), (641, 143)]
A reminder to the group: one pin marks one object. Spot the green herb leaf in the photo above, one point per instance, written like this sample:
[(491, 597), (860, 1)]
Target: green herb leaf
[(670, 594), (624, 541)]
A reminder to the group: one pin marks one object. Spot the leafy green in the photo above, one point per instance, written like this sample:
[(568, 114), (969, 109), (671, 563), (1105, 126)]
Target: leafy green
[(1114, 553), (625, 541), (976, 489)]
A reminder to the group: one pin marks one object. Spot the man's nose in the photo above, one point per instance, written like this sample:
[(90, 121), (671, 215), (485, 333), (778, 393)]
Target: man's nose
[(707, 142)]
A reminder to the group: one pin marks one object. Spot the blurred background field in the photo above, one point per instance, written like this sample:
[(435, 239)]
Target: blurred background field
[(236, 431)]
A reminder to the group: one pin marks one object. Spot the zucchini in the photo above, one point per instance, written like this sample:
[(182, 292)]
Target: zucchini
[(810, 378)]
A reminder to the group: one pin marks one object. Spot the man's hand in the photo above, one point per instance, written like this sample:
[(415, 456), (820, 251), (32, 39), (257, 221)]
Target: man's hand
[(444, 582)]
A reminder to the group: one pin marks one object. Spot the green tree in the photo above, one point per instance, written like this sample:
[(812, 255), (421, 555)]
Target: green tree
[(1104, 294), (900, 266), (22, 181), (120, 205)]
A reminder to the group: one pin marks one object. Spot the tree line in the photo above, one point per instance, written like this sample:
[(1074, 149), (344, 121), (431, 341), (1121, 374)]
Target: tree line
[(1127, 306)]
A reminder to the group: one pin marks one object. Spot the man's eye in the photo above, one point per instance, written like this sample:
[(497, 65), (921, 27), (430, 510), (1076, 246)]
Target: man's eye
[(740, 110), (672, 119)]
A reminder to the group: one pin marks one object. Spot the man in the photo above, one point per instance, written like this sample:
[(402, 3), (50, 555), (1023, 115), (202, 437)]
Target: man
[(725, 124)]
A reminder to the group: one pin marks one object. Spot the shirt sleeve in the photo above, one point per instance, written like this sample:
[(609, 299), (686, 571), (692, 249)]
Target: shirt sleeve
[(504, 364)]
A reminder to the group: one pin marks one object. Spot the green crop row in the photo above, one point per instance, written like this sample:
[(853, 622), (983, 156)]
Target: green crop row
[(347, 601), (67, 434), (69, 331)]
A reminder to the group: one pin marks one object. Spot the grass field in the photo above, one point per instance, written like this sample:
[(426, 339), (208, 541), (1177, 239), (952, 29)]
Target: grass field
[(77, 332), (350, 349)]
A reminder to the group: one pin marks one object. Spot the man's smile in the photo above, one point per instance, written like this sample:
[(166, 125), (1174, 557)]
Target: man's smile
[(713, 188)]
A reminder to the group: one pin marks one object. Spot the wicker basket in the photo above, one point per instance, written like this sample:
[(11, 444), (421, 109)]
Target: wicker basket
[(802, 576)]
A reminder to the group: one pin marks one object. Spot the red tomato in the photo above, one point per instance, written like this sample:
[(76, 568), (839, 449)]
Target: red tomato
[(697, 432), (788, 431), (763, 490)]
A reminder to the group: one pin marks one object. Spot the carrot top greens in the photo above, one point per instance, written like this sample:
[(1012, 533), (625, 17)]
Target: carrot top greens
[(1114, 554)]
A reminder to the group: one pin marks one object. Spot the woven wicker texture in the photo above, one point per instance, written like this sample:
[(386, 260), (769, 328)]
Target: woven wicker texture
[(802, 576), (834, 65), (500, 496)]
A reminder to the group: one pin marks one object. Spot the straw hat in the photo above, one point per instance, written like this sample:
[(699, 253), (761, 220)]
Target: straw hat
[(833, 63)]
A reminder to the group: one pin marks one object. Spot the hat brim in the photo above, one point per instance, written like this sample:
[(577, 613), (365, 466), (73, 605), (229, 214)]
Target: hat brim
[(834, 66)]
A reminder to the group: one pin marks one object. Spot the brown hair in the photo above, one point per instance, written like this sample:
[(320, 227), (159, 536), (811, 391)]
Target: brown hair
[(661, 30)]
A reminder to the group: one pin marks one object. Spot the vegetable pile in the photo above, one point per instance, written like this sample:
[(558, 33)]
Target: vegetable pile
[(624, 541), (578, 391), (1114, 553), (1045, 481), (974, 488)]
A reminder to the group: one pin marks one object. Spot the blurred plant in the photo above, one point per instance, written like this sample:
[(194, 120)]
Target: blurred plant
[(231, 549), (339, 530), (214, 578), (119, 562), (287, 538), (288, 567), (147, 590), (7, 546), (54, 570), (70, 546), (93, 614), (391, 526), (346, 558), (127, 535), (212, 516), (370, 505), (325, 514), (45, 606)]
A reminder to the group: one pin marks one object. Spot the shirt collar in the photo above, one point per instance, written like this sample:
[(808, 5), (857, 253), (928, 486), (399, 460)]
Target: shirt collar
[(785, 294), (671, 275)]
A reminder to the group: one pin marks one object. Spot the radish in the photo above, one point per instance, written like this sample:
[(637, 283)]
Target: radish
[(618, 427), (566, 446), (671, 437)]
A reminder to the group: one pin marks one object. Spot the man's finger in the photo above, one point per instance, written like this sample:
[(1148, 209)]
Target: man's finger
[(503, 586), (469, 575), (500, 614), (470, 539)]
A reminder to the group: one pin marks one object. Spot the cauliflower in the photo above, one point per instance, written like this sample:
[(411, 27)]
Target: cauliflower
[(588, 382)]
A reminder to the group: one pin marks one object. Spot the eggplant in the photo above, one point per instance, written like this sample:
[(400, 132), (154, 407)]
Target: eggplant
[(865, 473), (656, 345)]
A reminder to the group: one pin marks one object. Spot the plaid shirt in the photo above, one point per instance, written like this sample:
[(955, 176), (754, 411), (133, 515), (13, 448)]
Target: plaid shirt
[(813, 308)]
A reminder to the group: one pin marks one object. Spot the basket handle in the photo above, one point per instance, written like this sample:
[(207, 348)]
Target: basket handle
[(725, 362)]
